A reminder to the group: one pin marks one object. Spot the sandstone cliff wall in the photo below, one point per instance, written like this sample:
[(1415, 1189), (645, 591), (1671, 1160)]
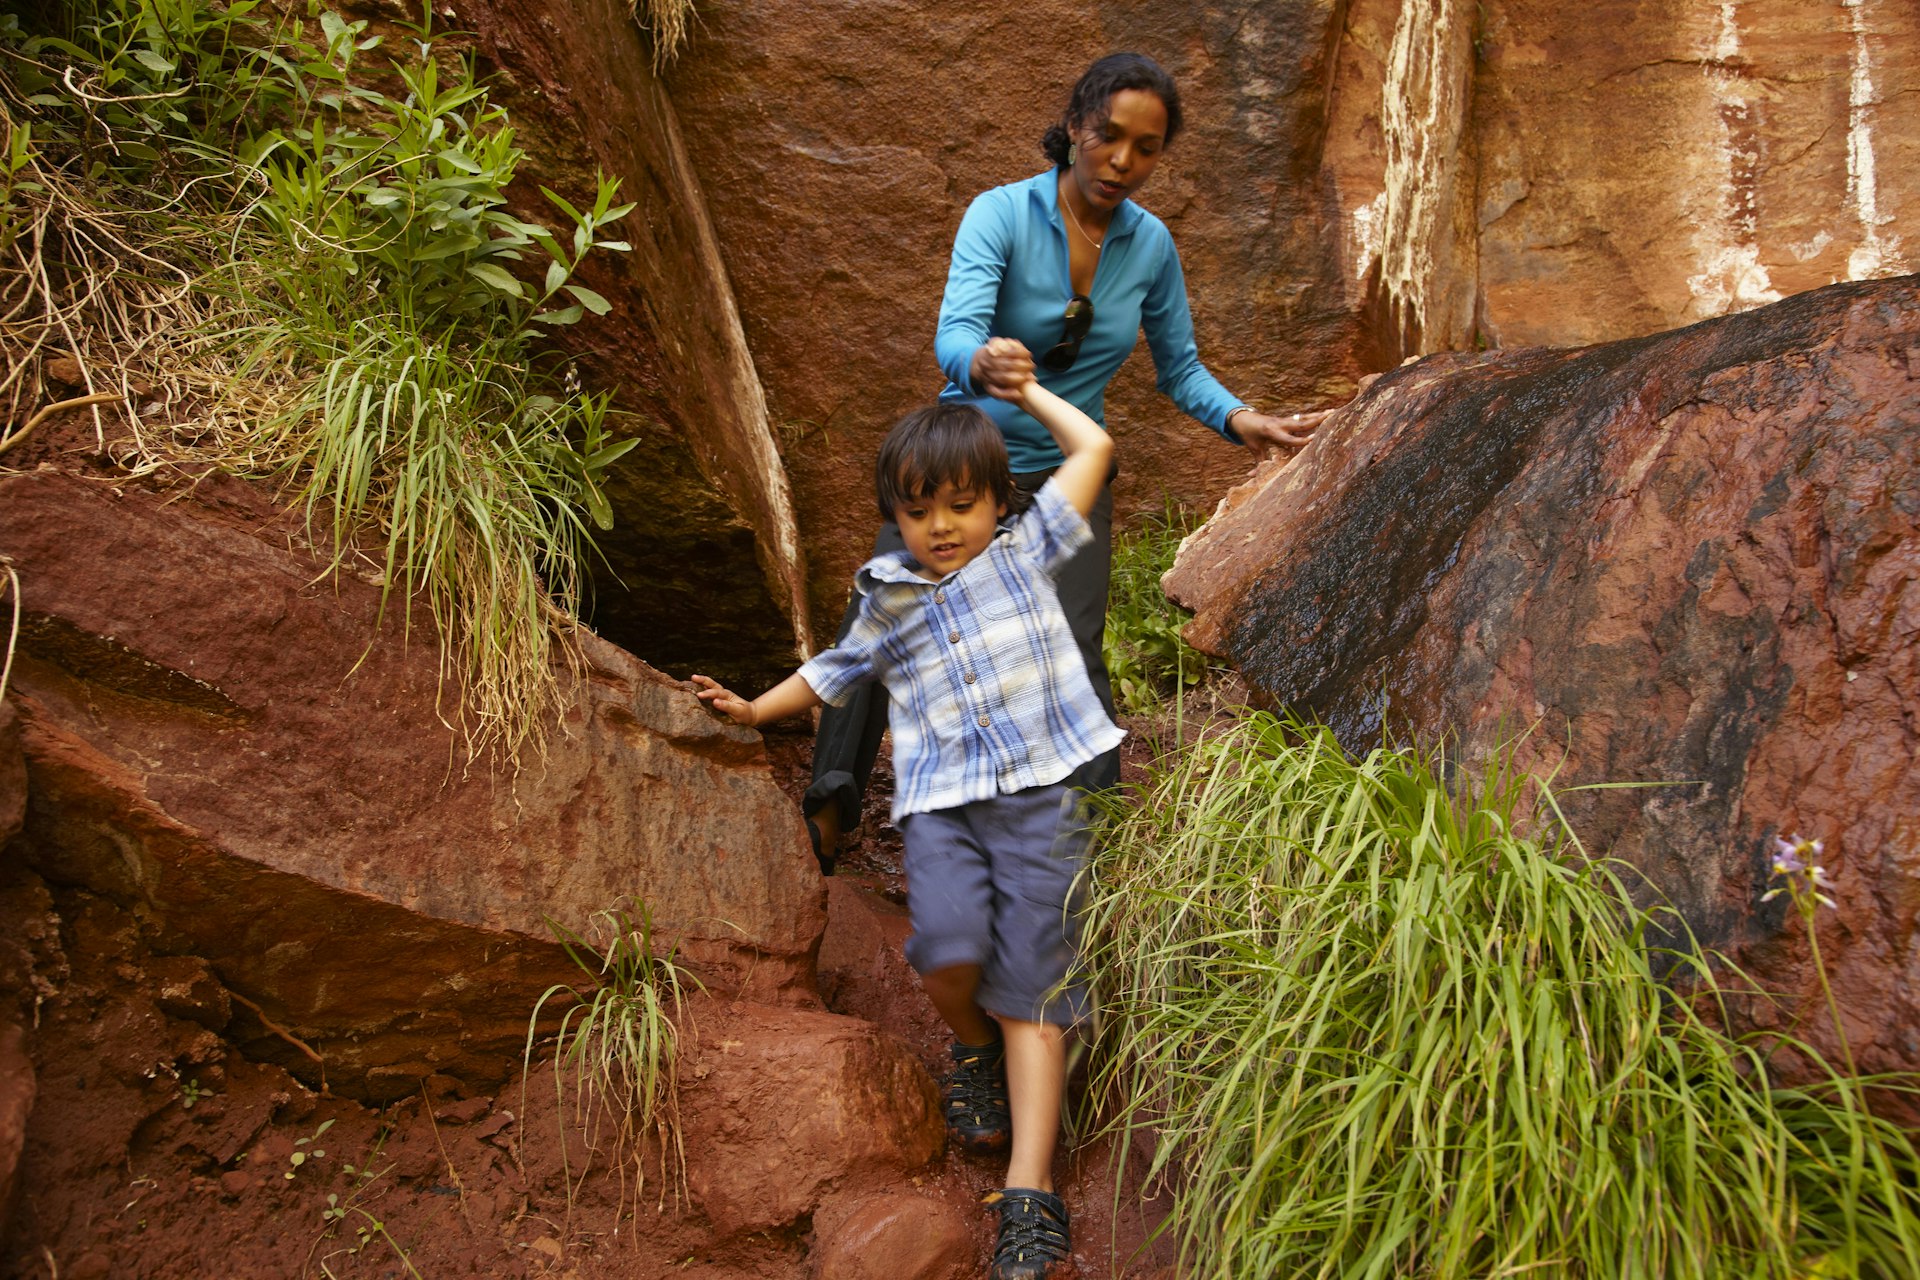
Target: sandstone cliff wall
[(1359, 181), (840, 143), (1546, 177)]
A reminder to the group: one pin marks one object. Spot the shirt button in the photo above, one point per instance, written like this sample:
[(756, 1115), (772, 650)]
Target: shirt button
[(953, 637), (939, 597), (969, 677), (985, 721)]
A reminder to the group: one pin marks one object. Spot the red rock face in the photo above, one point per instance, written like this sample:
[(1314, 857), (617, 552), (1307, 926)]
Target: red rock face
[(785, 1108), (17, 1089), (216, 735), (895, 1236), (1503, 174), (1693, 557), (839, 143), (13, 773), (1357, 182)]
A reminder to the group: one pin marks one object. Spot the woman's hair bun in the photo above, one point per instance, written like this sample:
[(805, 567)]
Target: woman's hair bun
[(1055, 142)]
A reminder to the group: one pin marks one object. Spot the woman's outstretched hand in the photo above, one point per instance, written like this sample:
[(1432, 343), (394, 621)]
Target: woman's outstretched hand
[(725, 701), (1002, 367), (1267, 434)]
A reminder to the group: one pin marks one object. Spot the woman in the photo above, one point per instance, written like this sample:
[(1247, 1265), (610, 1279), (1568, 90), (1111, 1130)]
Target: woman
[(1055, 277)]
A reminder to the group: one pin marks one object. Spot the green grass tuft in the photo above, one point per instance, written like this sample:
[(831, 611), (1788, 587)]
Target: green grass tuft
[(1378, 1031), (322, 281), (1146, 658), (617, 1048)]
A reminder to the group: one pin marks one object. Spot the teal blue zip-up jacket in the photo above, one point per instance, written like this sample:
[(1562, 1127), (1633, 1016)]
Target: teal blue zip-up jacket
[(1009, 279)]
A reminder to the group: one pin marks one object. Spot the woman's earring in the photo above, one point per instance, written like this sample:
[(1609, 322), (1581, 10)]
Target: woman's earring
[(1073, 152)]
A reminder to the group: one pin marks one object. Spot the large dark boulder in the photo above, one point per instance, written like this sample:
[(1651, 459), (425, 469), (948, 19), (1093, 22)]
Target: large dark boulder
[(1690, 560)]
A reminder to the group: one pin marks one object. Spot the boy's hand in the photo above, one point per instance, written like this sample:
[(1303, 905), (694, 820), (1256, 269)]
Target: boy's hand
[(725, 701), (1002, 367)]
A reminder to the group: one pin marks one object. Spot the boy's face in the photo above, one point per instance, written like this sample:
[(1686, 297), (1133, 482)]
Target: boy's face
[(948, 528)]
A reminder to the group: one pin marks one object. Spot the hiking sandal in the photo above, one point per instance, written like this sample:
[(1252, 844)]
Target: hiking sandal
[(976, 1096), (1034, 1242)]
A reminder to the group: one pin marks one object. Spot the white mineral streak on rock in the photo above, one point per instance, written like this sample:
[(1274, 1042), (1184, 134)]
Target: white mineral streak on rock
[(1427, 259), (767, 488), (1731, 275), (1364, 235), (1878, 254), (1812, 248)]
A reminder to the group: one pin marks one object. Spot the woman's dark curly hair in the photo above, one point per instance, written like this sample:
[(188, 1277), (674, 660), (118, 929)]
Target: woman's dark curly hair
[(1087, 107)]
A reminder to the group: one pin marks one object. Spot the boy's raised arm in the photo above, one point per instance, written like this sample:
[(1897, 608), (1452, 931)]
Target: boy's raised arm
[(788, 698), (1089, 449)]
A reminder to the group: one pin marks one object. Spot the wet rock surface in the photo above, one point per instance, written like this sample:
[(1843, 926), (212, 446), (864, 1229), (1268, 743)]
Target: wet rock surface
[(218, 736), (1686, 559)]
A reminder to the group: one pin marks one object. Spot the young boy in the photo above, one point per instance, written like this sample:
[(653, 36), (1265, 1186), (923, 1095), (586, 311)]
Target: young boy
[(992, 711)]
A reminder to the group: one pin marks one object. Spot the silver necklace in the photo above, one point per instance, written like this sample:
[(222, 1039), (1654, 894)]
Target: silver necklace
[(1084, 235)]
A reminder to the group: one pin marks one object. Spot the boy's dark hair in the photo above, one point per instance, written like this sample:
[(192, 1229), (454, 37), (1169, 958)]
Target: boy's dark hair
[(944, 442), (1088, 104)]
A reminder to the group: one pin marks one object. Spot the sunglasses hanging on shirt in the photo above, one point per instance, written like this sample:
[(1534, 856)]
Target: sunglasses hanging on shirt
[(1077, 321)]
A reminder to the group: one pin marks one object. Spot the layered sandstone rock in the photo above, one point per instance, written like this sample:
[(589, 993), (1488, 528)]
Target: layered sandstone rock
[(216, 736), (1686, 559), (1505, 173)]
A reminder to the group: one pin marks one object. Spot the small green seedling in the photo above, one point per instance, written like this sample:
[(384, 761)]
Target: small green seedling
[(191, 1092), (304, 1150)]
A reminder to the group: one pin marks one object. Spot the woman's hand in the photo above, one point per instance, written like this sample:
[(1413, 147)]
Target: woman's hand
[(1001, 368), (725, 701), (1267, 434)]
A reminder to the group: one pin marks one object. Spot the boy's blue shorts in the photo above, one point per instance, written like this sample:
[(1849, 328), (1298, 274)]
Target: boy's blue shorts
[(989, 883)]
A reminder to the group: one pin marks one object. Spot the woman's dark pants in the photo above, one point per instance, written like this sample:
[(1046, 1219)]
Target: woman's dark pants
[(849, 736)]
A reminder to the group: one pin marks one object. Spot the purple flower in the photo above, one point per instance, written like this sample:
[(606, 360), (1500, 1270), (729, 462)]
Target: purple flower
[(1793, 859)]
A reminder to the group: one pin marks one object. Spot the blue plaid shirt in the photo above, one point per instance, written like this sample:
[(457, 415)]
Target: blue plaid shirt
[(989, 692)]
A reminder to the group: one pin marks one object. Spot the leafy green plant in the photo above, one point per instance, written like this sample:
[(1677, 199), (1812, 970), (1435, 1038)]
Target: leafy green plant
[(1146, 658), (191, 1092), (322, 275), (617, 1046), (433, 422), (1378, 1030), (119, 195), (149, 90)]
